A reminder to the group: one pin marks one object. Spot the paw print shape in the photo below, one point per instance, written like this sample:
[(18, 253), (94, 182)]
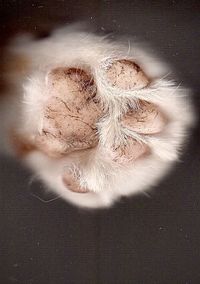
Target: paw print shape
[(99, 121), (75, 110)]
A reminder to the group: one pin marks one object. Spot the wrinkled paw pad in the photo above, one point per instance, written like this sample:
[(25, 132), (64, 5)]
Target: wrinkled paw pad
[(71, 112), (74, 108), (146, 119), (125, 75), (129, 151)]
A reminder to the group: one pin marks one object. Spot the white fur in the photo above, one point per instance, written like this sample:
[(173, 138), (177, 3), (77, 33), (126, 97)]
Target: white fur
[(107, 180)]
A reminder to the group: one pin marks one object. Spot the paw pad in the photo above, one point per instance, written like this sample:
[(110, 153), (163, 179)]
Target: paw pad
[(71, 112), (126, 75), (146, 119), (74, 109), (72, 182), (129, 151)]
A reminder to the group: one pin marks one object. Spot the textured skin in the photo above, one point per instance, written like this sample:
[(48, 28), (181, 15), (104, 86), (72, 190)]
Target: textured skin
[(126, 75), (130, 151), (71, 112), (146, 119), (73, 109)]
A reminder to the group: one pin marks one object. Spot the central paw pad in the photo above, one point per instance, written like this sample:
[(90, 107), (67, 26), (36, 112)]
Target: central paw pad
[(71, 112)]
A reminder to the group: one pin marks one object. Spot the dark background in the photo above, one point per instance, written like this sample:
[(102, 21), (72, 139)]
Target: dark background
[(142, 239)]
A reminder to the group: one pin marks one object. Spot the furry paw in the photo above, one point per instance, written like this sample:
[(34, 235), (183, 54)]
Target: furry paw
[(96, 123)]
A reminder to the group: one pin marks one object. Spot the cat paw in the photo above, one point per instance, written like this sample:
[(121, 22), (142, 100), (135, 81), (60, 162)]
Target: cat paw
[(76, 115), (110, 116)]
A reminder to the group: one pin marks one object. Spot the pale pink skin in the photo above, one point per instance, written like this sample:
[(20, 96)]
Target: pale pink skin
[(70, 114), (126, 75), (73, 110)]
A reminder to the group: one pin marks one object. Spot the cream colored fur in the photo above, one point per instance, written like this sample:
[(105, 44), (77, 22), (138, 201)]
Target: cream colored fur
[(106, 179)]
